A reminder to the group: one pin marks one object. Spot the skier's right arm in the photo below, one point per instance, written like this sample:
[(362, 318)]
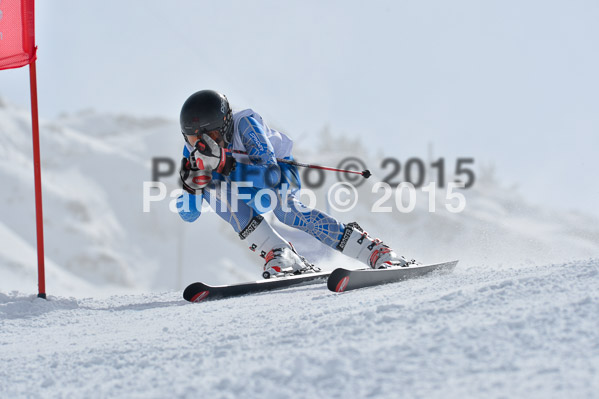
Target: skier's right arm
[(189, 206)]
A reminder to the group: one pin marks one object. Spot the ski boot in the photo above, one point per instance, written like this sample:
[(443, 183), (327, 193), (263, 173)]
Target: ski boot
[(285, 261), (357, 244), (280, 258)]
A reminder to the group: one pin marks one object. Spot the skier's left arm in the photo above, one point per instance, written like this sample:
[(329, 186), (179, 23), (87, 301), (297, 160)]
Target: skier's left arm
[(264, 172)]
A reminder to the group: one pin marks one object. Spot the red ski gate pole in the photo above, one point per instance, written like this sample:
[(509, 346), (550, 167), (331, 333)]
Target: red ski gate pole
[(37, 172), (17, 49)]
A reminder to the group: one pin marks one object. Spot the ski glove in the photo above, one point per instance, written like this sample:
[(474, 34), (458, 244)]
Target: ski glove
[(208, 156), (193, 179)]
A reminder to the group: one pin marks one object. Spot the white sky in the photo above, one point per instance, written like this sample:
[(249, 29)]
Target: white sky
[(512, 82)]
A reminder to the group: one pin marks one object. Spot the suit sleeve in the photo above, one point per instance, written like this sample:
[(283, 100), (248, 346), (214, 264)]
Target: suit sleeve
[(264, 172)]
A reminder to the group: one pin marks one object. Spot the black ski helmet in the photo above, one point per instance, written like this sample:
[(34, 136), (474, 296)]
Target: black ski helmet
[(205, 111)]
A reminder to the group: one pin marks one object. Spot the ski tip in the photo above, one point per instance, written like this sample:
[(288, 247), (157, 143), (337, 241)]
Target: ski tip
[(452, 264), (200, 296), (342, 285), (338, 280), (196, 292)]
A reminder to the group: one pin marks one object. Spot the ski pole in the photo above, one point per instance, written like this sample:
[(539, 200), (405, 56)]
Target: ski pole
[(366, 173)]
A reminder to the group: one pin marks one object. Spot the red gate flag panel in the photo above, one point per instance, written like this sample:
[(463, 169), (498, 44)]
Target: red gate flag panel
[(17, 33)]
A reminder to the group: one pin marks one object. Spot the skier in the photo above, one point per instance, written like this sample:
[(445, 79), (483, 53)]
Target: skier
[(210, 170)]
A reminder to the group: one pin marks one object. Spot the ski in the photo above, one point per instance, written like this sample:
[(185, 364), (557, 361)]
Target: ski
[(197, 292), (342, 280)]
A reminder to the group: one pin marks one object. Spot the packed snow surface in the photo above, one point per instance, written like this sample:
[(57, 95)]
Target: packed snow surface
[(516, 331), (519, 317)]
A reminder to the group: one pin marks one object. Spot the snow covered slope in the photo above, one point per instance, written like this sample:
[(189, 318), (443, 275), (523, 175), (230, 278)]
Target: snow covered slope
[(93, 169), (527, 331), (518, 317)]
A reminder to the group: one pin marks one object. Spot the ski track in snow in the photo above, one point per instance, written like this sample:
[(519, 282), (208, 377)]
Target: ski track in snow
[(521, 331)]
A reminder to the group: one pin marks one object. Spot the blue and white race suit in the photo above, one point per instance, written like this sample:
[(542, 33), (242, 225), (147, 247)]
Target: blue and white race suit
[(260, 171)]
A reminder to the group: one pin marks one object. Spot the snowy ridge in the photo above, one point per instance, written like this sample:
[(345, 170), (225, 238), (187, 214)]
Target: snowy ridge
[(19, 262), (528, 331)]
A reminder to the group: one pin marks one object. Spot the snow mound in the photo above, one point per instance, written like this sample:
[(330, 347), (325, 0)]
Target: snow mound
[(16, 306)]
